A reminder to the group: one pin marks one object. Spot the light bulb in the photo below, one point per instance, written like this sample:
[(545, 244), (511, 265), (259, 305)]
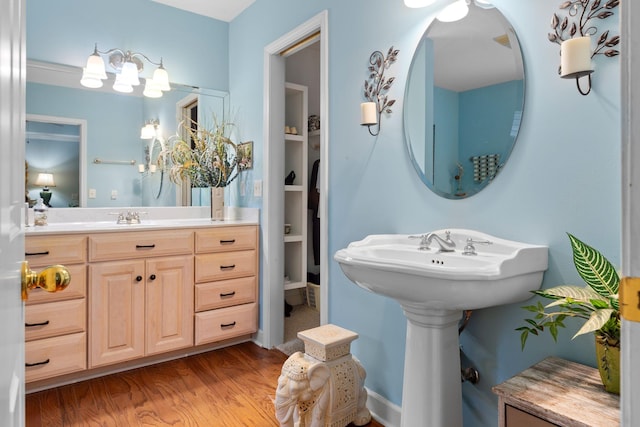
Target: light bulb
[(418, 3), (454, 12)]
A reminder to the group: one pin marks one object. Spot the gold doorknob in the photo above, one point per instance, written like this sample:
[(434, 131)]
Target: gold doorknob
[(52, 279)]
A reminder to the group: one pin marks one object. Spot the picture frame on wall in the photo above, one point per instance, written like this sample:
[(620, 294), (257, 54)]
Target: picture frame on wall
[(245, 155)]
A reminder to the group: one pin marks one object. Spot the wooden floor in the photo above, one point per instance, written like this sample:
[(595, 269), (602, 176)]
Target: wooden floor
[(227, 388)]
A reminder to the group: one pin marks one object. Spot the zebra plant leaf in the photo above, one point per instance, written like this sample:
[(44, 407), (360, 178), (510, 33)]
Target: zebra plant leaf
[(596, 321), (594, 268), (581, 294)]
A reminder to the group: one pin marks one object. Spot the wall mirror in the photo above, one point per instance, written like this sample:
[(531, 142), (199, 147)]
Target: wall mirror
[(54, 146), (463, 101), (115, 166)]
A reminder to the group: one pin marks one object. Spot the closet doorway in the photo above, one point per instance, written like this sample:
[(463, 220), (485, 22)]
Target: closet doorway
[(299, 57)]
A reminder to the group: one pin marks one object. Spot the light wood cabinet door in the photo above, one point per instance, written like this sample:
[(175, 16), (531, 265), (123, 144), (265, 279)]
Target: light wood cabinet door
[(169, 296), (116, 312)]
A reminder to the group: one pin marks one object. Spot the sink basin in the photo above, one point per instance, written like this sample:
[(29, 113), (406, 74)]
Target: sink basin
[(502, 272), (433, 288)]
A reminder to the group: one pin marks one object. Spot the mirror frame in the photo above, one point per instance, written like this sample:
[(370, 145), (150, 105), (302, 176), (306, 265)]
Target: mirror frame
[(421, 172)]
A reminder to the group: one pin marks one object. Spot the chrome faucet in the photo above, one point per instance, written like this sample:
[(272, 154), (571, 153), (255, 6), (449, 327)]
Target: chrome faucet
[(130, 217), (446, 244)]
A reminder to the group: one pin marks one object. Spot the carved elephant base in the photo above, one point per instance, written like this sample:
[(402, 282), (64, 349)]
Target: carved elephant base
[(312, 393)]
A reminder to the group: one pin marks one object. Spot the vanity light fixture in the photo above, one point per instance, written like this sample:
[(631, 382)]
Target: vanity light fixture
[(454, 12), (149, 130), (573, 34), (375, 90), (128, 66)]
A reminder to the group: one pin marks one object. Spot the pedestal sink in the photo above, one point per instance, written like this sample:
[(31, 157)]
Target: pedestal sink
[(433, 289)]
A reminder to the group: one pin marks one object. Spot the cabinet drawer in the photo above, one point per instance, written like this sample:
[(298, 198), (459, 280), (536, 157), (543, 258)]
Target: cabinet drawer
[(42, 251), (225, 265), (515, 417), (54, 318), (225, 323), (226, 239), (50, 357), (77, 287), (113, 246), (225, 293)]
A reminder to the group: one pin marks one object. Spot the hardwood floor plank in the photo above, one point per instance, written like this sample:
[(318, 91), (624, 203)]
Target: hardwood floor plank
[(229, 387)]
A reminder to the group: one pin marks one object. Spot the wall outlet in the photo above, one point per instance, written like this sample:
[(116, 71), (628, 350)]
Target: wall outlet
[(114, 194), (92, 193), (257, 188)]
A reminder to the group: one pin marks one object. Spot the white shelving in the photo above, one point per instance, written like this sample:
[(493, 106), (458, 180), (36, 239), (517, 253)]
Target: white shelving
[(295, 195)]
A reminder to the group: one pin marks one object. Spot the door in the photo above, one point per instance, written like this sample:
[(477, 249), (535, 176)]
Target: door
[(169, 296), (116, 312), (630, 105), (12, 117)]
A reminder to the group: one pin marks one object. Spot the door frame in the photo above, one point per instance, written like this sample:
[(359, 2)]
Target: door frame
[(630, 258), (273, 200)]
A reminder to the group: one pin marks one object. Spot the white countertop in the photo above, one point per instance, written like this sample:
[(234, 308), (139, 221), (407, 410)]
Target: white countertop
[(91, 220)]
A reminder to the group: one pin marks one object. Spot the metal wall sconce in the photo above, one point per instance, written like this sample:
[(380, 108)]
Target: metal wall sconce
[(150, 132), (573, 34), (127, 66), (375, 90)]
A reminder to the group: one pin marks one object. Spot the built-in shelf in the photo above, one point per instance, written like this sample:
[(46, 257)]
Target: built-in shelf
[(295, 195)]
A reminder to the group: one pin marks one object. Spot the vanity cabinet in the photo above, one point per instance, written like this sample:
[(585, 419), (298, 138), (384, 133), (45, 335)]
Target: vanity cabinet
[(55, 323), (141, 293), (138, 297), (556, 392), (226, 267), (296, 193)]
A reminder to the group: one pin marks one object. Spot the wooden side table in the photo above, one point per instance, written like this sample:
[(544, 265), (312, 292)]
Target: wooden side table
[(556, 392)]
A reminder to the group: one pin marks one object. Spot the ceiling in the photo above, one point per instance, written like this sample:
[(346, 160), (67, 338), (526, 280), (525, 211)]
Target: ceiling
[(223, 10)]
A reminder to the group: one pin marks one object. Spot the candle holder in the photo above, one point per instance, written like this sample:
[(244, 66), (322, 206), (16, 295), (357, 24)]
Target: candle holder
[(376, 88), (573, 33)]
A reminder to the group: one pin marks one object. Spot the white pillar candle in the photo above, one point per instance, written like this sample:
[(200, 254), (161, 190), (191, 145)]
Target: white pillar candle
[(575, 55), (140, 168), (368, 113), (152, 168)]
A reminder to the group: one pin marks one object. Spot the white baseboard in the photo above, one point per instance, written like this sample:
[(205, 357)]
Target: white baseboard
[(383, 411)]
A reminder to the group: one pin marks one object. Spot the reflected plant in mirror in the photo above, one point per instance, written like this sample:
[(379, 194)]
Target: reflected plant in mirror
[(206, 157), (464, 101)]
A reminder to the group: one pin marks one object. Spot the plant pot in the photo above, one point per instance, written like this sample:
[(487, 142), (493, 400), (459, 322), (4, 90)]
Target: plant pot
[(608, 355), (217, 203)]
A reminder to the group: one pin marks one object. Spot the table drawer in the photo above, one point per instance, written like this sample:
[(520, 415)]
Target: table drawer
[(77, 287), (225, 293), (225, 265), (225, 323), (42, 251), (139, 244), (55, 318), (226, 239), (50, 357)]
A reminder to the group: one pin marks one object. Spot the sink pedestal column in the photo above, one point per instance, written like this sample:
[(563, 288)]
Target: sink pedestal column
[(431, 391)]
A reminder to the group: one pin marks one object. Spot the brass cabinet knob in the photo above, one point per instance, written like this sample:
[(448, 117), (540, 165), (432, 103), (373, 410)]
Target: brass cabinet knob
[(52, 279)]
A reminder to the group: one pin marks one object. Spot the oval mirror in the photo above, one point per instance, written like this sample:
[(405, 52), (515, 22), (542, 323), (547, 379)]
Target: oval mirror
[(463, 101)]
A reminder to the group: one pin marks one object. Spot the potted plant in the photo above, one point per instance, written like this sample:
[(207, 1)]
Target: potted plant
[(596, 304), (204, 157)]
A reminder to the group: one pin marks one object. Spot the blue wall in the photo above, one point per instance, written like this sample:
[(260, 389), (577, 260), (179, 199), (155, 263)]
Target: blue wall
[(547, 188)]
